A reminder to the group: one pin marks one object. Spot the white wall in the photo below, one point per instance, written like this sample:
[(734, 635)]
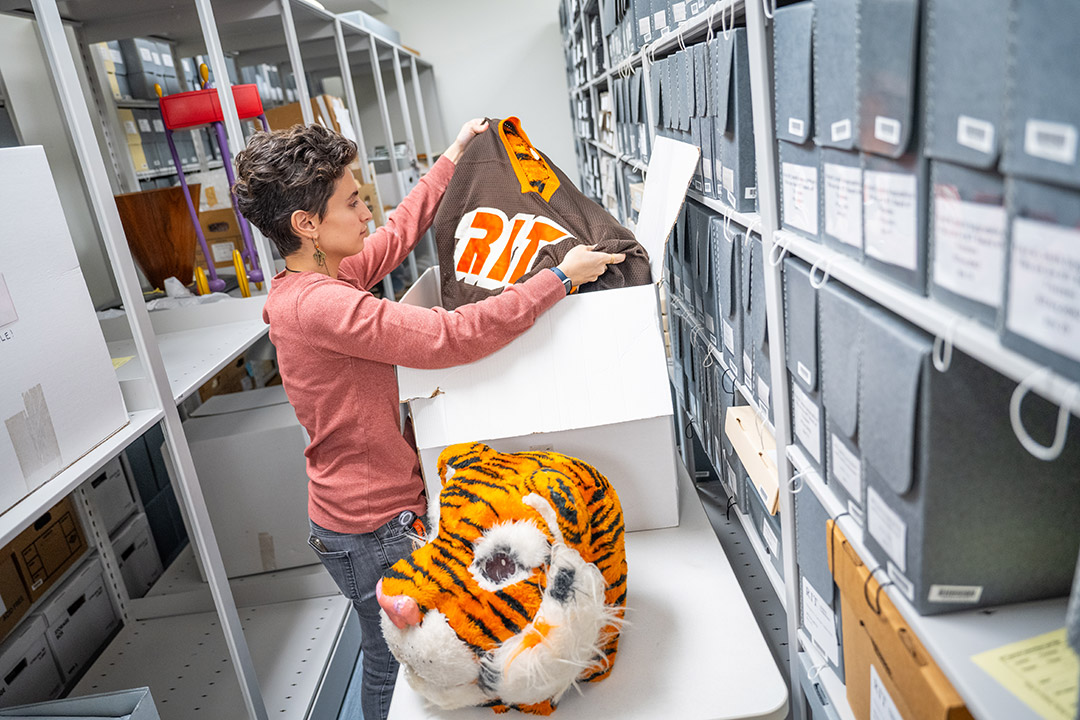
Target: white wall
[(493, 58)]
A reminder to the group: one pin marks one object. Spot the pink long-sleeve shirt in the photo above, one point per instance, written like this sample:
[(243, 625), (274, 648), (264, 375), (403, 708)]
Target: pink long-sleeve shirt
[(337, 346)]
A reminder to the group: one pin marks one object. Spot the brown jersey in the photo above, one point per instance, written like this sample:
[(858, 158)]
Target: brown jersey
[(509, 213)]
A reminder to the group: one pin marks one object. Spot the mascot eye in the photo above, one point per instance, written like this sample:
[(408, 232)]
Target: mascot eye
[(499, 567)]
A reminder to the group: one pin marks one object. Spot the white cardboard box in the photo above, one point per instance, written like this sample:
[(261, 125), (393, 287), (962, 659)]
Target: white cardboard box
[(59, 397), (137, 556), (79, 617), (248, 449), (28, 672), (607, 401), (111, 495)]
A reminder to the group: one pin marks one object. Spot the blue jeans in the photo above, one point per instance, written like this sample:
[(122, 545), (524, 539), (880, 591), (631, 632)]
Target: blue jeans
[(356, 562)]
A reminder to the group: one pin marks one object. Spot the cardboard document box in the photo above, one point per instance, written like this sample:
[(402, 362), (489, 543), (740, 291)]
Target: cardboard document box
[(48, 547), (887, 46), (136, 704), (767, 527), (884, 657), (1042, 286), (820, 605), (59, 397), (967, 240), (800, 188), (945, 512), (79, 618), (756, 448), (835, 108), (248, 449), (697, 225), (842, 200), (793, 72), (13, 597), (137, 556), (801, 334), (110, 495), (840, 328), (28, 671), (894, 217), (966, 61), (726, 240), (734, 133), (1043, 122), (613, 410)]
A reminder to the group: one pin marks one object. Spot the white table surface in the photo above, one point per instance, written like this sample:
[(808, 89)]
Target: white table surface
[(692, 649)]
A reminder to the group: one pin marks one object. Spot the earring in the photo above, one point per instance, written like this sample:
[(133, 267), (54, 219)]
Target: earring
[(320, 256)]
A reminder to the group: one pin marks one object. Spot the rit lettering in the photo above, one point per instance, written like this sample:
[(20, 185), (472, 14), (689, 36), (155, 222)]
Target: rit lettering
[(493, 251)]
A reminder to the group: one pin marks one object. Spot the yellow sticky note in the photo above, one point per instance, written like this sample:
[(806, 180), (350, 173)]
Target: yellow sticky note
[(120, 361), (1042, 671)]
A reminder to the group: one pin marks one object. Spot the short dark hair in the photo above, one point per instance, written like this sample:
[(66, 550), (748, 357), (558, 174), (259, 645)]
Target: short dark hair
[(283, 171)]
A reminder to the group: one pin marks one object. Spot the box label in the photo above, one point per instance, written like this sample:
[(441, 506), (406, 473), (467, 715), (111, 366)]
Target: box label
[(130, 128), (1044, 305), (887, 129), (166, 60), (856, 513), (806, 421), (751, 193), (729, 179), (1050, 141), (886, 527), (769, 537), (763, 392), (659, 21), (222, 251), (643, 28), (159, 126), (116, 55), (729, 337), (843, 203), (747, 370), (845, 467), (157, 58), (969, 249), (889, 206), (800, 204), (955, 593), (796, 127), (733, 480), (146, 55), (900, 581), (144, 125), (820, 621), (678, 11), (882, 706), (975, 134), (840, 130), (804, 373)]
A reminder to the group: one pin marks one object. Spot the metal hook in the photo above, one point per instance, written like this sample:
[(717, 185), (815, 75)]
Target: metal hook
[(765, 9), (817, 285), (943, 347), (709, 360), (774, 259), (679, 37), (792, 480), (1052, 451), (877, 595), (727, 225), (730, 25)]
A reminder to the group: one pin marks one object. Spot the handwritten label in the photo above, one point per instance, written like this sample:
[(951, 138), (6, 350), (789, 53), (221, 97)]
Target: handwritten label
[(882, 706), (845, 467), (1044, 286), (889, 206), (800, 197), (820, 621), (769, 537), (885, 526), (843, 203), (969, 249), (807, 422)]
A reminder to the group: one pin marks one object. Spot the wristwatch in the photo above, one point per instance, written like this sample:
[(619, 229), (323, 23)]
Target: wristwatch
[(567, 282)]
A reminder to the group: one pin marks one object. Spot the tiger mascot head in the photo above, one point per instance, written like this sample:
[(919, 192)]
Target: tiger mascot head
[(521, 592)]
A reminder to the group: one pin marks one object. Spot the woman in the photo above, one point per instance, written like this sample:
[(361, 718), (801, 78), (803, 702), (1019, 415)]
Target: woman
[(337, 346)]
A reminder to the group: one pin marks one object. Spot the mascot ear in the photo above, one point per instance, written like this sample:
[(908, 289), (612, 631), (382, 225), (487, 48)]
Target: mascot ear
[(568, 511), (459, 456)]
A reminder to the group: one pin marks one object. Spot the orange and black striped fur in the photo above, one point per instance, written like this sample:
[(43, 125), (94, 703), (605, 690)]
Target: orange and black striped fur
[(527, 562)]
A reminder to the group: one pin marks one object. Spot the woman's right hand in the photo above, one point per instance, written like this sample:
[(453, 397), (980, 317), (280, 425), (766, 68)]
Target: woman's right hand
[(583, 264)]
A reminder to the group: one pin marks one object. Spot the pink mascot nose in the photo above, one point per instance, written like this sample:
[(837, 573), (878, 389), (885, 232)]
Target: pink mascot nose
[(401, 609)]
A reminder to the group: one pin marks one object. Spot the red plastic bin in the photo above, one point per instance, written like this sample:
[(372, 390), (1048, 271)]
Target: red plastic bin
[(201, 107)]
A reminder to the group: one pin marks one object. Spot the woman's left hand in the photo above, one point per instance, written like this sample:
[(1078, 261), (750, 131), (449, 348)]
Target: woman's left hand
[(468, 131)]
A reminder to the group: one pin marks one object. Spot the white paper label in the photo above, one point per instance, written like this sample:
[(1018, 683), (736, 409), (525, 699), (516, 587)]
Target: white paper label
[(643, 27), (729, 337), (1050, 141), (800, 196), (820, 621), (890, 210), (804, 373), (729, 179), (166, 60), (157, 58), (845, 467), (882, 706), (843, 203), (1044, 286), (887, 130), (856, 513), (659, 20), (159, 126), (130, 127), (7, 310), (710, 324), (116, 55), (806, 421), (975, 133), (222, 252), (144, 125), (678, 11), (706, 170), (840, 130), (146, 55), (955, 593), (763, 392), (769, 537), (747, 369), (751, 193), (900, 581), (969, 249), (796, 127), (886, 527)]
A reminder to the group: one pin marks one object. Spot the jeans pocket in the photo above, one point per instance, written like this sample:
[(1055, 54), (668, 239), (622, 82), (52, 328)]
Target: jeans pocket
[(339, 565)]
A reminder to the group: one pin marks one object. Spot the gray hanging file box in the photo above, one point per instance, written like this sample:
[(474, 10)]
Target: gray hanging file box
[(835, 114), (965, 95), (793, 72), (800, 190), (840, 325), (958, 512), (967, 240), (1043, 106), (801, 342), (706, 295), (727, 256), (759, 334), (811, 552), (767, 527), (894, 217), (887, 46), (817, 697), (735, 135), (841, 203), (1042, 291)]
